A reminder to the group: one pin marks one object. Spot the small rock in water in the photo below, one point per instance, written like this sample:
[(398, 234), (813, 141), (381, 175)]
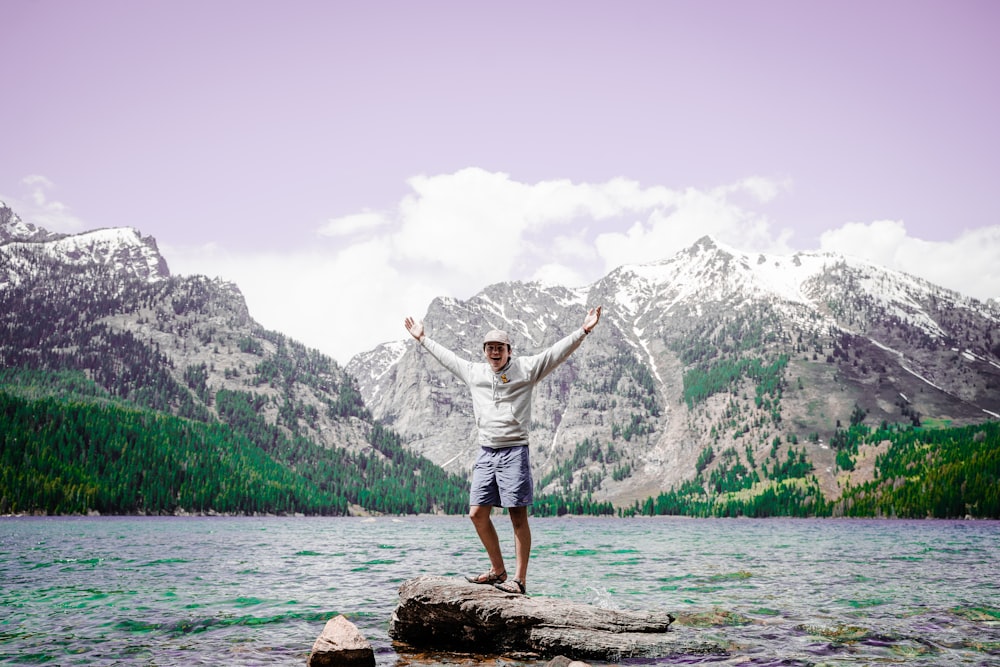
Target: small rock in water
[(341, 645)]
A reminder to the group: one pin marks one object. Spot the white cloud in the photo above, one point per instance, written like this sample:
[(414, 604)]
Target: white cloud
[(34, 206), (341, 303), (483, 226), (970, 264), (877, 241), (353, 224), (575, 247), (761, 189)]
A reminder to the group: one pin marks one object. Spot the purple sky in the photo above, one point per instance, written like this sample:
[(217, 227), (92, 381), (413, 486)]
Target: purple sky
[(348, 161)]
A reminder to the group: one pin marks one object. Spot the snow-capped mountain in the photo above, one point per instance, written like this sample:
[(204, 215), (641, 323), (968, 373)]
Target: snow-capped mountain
[(120, 250), (681, 363), (104, 302)]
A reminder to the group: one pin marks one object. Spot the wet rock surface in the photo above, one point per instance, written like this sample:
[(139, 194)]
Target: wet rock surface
[(441, 613)]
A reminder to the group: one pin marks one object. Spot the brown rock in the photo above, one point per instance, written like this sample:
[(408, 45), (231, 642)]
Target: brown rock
[(449, 614), (341, 645)]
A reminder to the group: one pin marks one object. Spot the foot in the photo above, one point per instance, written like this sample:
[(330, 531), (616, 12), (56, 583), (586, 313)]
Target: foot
[(490, 577), (514, 586)]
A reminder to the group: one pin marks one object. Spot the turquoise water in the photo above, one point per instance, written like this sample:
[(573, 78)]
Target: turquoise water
[(257, 591)]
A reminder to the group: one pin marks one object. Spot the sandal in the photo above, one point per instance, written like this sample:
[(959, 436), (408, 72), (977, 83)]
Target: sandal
[(515, 586), (490, 577)]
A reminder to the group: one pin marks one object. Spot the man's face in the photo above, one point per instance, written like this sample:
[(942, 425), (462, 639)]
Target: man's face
[(497, 355)]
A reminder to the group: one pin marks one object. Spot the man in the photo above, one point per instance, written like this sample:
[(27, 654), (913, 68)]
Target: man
[(501, 392)]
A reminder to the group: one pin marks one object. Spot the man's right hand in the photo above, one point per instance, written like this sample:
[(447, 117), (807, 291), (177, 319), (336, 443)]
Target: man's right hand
[(415, 328)]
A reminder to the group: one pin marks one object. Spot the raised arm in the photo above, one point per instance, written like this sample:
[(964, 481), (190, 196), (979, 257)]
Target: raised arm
[(460, 367)]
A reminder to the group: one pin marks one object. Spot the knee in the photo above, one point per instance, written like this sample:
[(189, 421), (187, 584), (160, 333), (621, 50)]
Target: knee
[(480, 514)]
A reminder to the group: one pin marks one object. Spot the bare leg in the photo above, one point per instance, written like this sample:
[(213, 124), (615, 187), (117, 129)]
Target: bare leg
[(480, 515), (522, 541)]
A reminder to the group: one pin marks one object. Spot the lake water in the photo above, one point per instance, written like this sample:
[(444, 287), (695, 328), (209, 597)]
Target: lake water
[(258, 591)]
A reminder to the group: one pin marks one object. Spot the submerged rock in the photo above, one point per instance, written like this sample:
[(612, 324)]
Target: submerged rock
[(449, 614), (341, 644), (563, 661)]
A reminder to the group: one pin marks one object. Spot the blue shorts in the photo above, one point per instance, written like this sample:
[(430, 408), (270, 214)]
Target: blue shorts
[(502, 478)]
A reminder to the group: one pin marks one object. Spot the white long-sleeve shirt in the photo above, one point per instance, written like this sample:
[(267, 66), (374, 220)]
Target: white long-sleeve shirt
[(501, 400)]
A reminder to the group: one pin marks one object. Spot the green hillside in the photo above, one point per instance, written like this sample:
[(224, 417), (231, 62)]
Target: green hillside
[(944, 473), (66, 447)]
